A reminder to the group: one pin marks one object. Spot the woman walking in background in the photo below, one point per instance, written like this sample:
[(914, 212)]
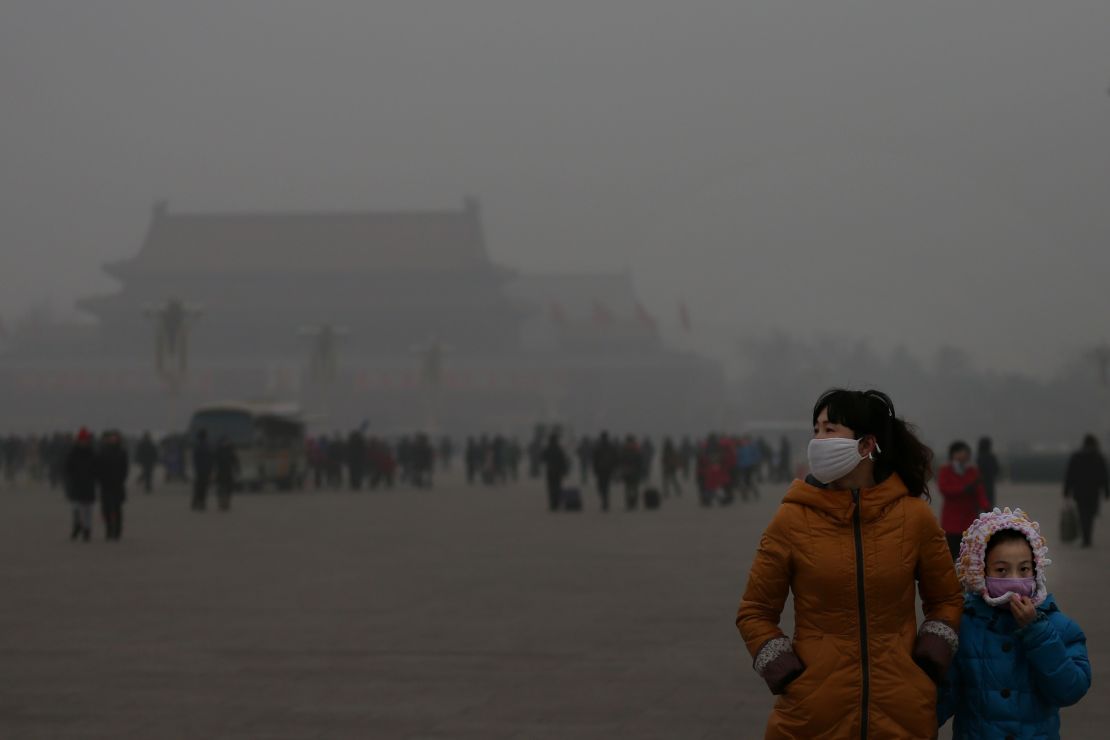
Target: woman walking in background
[(851, 542), (964, 495), (80, 477), (989, 468), (1086, 481)]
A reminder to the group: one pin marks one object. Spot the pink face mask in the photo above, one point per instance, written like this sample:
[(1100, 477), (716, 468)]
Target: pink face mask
[(999, 587)]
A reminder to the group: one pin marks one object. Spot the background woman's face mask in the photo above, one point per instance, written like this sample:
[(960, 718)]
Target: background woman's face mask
[(833, 458)]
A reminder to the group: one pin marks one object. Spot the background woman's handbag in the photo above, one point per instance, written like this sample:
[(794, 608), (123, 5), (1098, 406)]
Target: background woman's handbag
[(1069, 521)]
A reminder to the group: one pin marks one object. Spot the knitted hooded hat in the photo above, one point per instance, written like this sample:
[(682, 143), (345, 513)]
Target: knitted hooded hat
[(971, 565)]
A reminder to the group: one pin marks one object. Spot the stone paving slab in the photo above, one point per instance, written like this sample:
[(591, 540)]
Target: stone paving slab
[(453, 613)]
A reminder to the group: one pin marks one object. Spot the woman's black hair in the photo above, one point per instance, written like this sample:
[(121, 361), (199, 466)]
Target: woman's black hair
[(900, 451), (958, 446), (1004, 535), (986, 445)]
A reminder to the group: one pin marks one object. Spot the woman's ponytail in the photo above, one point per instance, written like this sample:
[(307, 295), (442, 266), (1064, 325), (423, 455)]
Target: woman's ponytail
[(910, 458)]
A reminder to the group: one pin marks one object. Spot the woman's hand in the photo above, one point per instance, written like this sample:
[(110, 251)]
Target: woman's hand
[(1023, 610)]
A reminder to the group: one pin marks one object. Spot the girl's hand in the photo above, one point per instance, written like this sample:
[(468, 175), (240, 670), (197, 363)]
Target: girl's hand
[(1023, 610)]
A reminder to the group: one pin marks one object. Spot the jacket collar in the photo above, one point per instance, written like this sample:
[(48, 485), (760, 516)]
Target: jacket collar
[(837, 504)]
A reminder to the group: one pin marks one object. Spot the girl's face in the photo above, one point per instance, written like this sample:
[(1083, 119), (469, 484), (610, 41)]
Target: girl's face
[(1010, 559)]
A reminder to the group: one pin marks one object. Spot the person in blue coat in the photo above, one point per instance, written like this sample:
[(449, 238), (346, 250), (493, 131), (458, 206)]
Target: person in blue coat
[(1020, 658)]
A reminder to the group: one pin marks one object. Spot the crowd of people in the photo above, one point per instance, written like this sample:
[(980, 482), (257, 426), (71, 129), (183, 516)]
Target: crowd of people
[(378, 462), (968, 487), (720, 468), (42, 458), (492, 459)]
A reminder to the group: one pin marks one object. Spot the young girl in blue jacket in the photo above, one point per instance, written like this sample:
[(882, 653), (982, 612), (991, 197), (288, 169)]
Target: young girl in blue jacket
[(1020, 658)]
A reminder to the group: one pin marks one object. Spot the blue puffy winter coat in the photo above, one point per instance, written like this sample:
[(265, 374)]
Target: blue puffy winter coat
[(1010, 683)]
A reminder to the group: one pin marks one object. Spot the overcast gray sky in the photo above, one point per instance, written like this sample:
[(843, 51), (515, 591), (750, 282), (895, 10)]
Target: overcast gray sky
[(917, 172)]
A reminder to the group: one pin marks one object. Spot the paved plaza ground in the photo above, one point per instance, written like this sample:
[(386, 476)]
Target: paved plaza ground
[(452, 613)]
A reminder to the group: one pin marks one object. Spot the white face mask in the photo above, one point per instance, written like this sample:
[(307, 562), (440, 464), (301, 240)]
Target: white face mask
[(832, 459)]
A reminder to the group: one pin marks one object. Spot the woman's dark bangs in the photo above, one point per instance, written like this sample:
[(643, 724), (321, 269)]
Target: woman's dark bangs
[(838, 405)]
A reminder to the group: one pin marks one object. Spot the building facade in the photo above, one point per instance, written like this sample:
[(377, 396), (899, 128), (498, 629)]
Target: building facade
[(399, 319)]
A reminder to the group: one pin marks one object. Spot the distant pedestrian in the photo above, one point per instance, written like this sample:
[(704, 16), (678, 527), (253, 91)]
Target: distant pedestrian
[(56, 451), (672, 463), (501, 458), (748, 460), (728, 457), (712, 477), (227, 472), (112, 467), (964, 496), (989, 468), (605, 463), (784, 472), (647, 459), (472, 458), (318, 459), (687, 453), (202, 470), (356, 459), (515, 454), (173, 458), (535, 455), (423, 461), (337, 457), (1085, 483), (556, 466), (80, 481), (585, 454), (631, 467), (146, 455)]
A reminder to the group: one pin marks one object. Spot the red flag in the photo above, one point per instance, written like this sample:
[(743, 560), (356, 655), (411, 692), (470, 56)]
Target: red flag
[(684, 317), (602, 317)]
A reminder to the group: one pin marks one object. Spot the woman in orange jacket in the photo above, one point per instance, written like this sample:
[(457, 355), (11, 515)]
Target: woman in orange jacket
[(851, 542)]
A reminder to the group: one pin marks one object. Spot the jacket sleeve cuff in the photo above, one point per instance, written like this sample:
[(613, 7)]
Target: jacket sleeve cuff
[(935, 646), (1036, 631), (777, 664)]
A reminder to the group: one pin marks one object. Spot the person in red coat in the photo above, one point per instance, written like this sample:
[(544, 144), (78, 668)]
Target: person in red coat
[(965, 497)]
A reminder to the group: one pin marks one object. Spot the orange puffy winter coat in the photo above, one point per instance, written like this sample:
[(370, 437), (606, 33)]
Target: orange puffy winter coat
[(852, 569)]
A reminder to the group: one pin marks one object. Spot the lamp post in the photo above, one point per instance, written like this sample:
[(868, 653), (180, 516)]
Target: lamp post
[(172, 322), (431, 355), (323, 361)]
